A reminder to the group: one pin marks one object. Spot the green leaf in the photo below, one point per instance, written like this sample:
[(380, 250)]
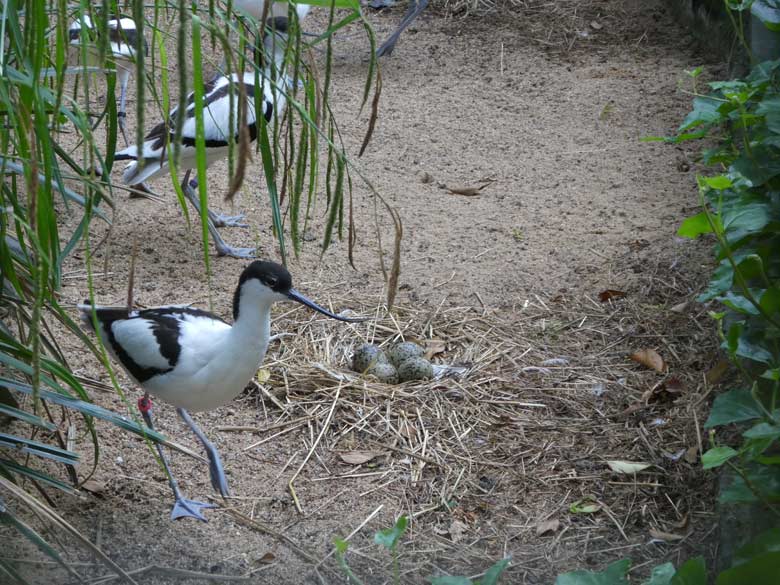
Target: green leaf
[(762, 165), (705, 111), (451, 580), (767, 14), (389, 537), (721, 281), (661, 575), (719, 182), (733, 406), (717, 456), (492, 575), (763, 478), (739, 303), (761, 570), (614, 574), (694, 226), (741, 220), (770, 300), (763, 431), (692, 572), (766, 542), (586, 505)]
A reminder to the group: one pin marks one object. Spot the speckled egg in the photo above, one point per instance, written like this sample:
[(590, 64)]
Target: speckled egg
[(384, 372), (415, 368), (366, 355), (401, 352)]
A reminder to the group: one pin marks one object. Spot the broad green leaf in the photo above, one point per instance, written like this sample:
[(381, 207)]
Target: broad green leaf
[(770, 300), (719, 182), (721, 281), (766, 542), (614, 574), (763, 431), (717, 456), (694, 226), (761, 570), (762, 165), (492, 575), (451, 580), (745, 219), (389, 537), (661, 575), (769, 15), (764, 478), (705, 111), (734, 406), (738, 303), (692, 572)]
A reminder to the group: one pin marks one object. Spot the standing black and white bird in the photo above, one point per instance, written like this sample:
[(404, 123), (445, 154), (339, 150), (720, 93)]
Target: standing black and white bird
[(122, 42), (193, 359), (255, 9), (220, 100)]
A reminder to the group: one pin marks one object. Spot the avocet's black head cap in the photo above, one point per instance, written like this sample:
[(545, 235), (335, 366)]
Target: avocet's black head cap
[(278, 24), (278, 279)]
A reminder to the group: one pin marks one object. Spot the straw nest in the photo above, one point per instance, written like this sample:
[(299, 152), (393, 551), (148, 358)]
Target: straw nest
[(488, 461)]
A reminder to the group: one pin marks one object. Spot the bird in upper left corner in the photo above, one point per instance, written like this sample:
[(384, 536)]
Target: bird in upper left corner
[(83, 35)]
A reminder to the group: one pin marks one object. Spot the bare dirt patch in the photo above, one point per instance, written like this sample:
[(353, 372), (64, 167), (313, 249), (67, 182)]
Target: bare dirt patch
[(550, 111)]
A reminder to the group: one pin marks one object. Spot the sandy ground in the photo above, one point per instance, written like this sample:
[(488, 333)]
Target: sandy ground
[(509, 278)]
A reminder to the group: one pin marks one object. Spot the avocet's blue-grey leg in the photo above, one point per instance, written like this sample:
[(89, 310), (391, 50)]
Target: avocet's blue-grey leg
[(123, 75), (218, 479), (415, 8), (222, 248), (218, 219), (182, 508)]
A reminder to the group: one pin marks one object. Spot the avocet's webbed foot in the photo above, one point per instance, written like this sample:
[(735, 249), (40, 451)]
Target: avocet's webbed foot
[(184, 508), (242, 253), (139, 189), (223, 220)]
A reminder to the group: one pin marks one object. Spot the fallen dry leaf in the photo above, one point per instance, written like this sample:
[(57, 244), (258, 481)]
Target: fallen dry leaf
[(263, 376), (692, 454), (628, 467), (94, 486), (595, 25), (608, 294), (680, 525), (649, 358), (467, 191), (458, 530), (359, 457), (717, 371), (680, 307), (665, 536), (666, 391), (267, 558), (548, 526), (434, 347)]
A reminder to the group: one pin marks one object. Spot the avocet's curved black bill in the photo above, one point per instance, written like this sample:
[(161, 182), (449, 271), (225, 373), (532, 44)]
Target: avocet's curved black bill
[(294, 295)]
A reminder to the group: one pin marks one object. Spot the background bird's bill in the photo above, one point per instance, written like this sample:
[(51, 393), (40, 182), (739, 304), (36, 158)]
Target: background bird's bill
[(294, 295)]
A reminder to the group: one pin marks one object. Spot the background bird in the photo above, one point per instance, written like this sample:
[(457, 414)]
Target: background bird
[(193, 359), (221, 127), (122, 42)]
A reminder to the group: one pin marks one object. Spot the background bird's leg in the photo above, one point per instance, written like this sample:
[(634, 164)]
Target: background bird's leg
[(123, 75), (218, 479), (188, 187), (182, 508), (415, 8), (218, 219)]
